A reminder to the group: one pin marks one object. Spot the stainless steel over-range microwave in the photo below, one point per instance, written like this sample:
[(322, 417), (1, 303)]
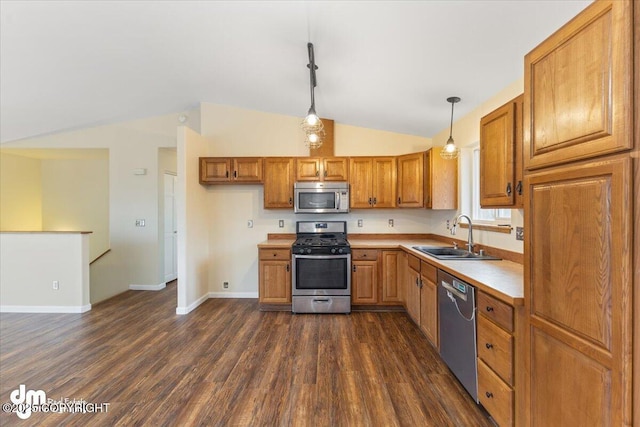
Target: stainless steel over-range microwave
[(321, 197)]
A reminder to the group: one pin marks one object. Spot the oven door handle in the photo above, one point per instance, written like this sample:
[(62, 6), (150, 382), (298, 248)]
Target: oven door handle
[(323, 300), (345, 256)]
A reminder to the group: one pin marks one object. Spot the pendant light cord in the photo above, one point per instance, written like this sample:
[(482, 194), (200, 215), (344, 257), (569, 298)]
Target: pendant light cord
[(451, 125)]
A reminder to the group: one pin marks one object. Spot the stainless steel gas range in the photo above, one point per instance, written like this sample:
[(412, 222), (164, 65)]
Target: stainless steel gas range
[(321, 260)]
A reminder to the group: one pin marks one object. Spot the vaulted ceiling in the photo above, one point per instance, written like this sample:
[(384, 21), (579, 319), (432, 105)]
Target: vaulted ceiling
[(386, 65)]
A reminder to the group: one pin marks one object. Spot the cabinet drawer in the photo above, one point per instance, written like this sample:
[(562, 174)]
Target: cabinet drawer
[(495, 395), (266, 254), (414, 263), (496, 310), (364, 254), (495, 348), (429, 271)]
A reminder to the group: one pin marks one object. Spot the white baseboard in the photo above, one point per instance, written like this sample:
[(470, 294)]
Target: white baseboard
[(158, 287), (192, 306), (44, 308), (233, 295)]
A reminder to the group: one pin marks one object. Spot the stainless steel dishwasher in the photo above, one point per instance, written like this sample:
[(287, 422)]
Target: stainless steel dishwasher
[(457, 308)]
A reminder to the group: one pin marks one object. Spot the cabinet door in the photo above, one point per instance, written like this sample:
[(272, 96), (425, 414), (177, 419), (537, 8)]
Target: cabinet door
[(497, 160), (335, 169), (578, 289), (577, 88), (391, 289), (361, 177), (429, 303), (215, 169), (247, 169), (413, 294), (275, 282), (278, 182), (384, 182), (308, 169), (364, 282), (410, 180), (440, 181)]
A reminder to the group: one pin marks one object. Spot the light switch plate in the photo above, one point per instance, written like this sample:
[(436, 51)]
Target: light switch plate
[(359, 223), (519, 233), (139, 222), (281, 223)]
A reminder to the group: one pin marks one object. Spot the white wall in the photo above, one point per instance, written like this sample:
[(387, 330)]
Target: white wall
[(75, 197), (135, 251), (29, 264), (20, 193), (193, 219)]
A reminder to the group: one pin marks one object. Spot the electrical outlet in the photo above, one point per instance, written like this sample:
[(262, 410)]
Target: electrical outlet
[(281, 223), (56, 285), (139, 222), (250, 223), (519, 233), (448, 225), (390, 223), (225, 285), (359, 223)]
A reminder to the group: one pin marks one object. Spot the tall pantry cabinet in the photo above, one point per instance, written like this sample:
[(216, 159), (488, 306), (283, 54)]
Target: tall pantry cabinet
[(579, 196)]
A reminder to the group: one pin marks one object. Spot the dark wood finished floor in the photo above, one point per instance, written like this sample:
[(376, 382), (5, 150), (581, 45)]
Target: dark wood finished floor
[(228, 364)]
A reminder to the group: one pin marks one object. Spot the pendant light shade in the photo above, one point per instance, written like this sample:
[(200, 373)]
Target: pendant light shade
[(450, 150), (312, 125)]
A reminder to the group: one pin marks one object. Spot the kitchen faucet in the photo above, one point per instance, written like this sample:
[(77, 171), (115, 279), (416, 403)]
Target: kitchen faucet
[(453, 230)]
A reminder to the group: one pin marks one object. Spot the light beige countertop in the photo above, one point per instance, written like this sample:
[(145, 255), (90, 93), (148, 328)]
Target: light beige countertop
[(500, 279)]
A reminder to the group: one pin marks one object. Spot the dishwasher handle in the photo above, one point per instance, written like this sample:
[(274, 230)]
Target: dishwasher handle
[(453, 290)]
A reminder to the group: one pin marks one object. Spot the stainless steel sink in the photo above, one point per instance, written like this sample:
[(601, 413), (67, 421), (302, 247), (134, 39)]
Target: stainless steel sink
[(452, 253)]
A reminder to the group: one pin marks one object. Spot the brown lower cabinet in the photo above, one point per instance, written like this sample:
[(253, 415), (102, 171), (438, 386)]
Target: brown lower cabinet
[(375, 277), (496, 350), (422, 296), (274, 276)]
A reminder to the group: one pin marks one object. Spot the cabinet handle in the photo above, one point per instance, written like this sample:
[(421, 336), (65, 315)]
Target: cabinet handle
[(354, 268), (275, 254), (375, 200), (489, 346), (290, 200), (226, 174), (287, 267), (235, 174), (417, 280), (317, 173), (370, 201), (489, 308), (489, 394), (508, 189), (399, 200), (519, 188)]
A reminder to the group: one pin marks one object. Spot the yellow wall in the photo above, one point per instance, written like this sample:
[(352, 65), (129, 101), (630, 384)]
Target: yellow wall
[(20, 193)]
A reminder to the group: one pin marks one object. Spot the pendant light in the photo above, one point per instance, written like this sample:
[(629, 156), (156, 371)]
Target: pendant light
[(312, 125), (450, 151)]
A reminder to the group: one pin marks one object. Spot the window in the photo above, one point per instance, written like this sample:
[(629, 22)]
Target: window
[(491, 216)]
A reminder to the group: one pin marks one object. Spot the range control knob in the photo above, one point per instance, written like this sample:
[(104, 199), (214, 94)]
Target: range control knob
[(333, 250), (301, 250), (340, 250), (308, 250)]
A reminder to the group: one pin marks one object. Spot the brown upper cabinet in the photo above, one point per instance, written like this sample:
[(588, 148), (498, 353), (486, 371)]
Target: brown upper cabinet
[(501, 156), (230, 170), (322, 169), (410, 180), (278, 182), (578, 90), (373, 182), (440, 181)]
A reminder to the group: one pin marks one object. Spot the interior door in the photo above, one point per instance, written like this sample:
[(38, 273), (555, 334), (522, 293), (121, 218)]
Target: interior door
[(170, 229)]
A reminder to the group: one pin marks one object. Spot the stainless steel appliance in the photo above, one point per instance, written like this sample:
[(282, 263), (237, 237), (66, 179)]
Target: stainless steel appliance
[(457, 312), (321, 272), (321, 197)]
